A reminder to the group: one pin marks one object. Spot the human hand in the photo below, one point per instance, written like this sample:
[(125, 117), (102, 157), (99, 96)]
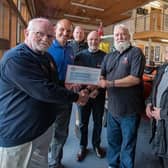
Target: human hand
[(74, 87), (103, 83), (149, 110), (92, 87), (156, 113), (94, 94), (83, 97), (68, 86)]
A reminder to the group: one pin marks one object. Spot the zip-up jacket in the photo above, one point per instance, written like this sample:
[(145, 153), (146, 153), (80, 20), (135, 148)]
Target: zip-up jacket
[(160, 128)]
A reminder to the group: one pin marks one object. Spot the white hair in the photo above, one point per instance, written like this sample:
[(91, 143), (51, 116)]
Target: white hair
[(121, 26), (33, 22)]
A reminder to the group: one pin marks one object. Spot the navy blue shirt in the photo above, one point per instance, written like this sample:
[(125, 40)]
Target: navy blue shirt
[(29, 95), (124, 100), (91, 59)]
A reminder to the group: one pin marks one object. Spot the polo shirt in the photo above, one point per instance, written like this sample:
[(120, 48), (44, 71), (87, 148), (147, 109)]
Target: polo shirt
[(124, 100), (63, 56)]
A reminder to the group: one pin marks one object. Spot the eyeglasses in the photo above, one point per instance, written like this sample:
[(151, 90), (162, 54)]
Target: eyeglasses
[(41, 35)]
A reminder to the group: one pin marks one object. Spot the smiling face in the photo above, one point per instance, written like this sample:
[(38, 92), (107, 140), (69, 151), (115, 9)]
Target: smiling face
[(93, 40), (39, 34), (63, 31), (121, 38), (78, 34)]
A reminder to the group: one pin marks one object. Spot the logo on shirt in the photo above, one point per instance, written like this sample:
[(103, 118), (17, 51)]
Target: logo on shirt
[(125, 60), (72, 57)]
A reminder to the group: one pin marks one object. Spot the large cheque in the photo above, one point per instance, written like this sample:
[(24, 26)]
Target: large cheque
[(82, 75)]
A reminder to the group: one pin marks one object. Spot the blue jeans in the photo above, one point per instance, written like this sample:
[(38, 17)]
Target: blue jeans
[(121, 136)]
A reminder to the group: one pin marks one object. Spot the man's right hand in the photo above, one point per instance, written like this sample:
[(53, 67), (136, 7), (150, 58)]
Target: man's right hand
[(83, 97)]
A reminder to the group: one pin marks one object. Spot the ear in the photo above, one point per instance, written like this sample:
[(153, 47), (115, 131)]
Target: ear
[(26, 32)]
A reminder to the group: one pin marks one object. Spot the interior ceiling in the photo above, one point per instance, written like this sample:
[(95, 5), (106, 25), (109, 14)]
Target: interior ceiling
[(114, 10)]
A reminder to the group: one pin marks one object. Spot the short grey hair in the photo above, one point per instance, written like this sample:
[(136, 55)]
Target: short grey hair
[(33, 22)]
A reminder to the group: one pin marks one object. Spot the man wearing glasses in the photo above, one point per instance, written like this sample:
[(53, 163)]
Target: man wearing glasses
[(29, 94)]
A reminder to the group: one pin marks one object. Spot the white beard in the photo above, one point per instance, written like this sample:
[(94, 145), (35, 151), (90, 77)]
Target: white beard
[(122, 46)]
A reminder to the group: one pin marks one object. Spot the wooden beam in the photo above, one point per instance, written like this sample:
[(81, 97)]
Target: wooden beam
[(15, 9)]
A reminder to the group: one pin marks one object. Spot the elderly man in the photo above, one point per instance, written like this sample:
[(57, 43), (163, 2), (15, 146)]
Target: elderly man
[(91, 57), (157, 110), (29, 94), (122, 72)]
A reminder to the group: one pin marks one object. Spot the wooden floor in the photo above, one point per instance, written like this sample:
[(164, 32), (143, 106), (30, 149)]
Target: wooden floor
[(143, 158)]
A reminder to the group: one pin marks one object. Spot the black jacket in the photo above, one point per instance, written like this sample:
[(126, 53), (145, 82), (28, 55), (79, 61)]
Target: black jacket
[(159, 137)]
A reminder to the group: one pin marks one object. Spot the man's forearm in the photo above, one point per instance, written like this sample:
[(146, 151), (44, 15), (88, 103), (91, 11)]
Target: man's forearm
[(125, 82)]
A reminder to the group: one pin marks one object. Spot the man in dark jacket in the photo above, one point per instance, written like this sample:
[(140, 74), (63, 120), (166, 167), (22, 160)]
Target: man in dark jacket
[(29, 94), (157, 109), (91, 57), (78, 44)]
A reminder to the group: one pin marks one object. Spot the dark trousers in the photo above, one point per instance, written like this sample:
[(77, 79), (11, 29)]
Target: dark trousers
[(96, 107), (59, 134), (164, 162), (121, 136)]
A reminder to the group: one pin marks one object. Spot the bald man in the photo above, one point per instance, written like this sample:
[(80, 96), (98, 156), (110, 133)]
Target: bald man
[(91, 57), (63, 55)]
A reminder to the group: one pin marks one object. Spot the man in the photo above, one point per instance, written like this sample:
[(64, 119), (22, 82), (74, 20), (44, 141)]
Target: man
[(78, 44), (157, 109), (29, 94), (122, 72), (91, 57), (63, 56)]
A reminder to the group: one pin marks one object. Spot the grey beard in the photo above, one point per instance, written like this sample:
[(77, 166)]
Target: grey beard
[(122, 46)]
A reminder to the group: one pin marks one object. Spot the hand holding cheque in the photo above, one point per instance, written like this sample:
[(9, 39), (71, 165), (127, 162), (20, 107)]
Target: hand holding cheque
[(80, 75)]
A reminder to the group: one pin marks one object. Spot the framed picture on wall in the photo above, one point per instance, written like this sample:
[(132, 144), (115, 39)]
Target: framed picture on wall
[(157, 54)]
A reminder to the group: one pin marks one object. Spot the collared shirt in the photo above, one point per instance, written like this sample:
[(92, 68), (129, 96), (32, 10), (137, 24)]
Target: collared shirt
[(124, 100), (63, 56)]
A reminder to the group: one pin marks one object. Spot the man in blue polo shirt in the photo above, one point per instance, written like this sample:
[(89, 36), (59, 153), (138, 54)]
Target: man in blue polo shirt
[(63, 55)]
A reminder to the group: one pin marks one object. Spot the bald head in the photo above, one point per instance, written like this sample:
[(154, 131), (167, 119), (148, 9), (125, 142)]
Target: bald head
[(78, 34), (93, 40), (63, 30)]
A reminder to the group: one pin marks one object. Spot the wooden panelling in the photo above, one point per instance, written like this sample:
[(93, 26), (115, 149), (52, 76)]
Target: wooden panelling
[(114, 10)]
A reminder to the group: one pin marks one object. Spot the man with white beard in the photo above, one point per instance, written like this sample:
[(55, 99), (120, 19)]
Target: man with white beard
[(122, 72)]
